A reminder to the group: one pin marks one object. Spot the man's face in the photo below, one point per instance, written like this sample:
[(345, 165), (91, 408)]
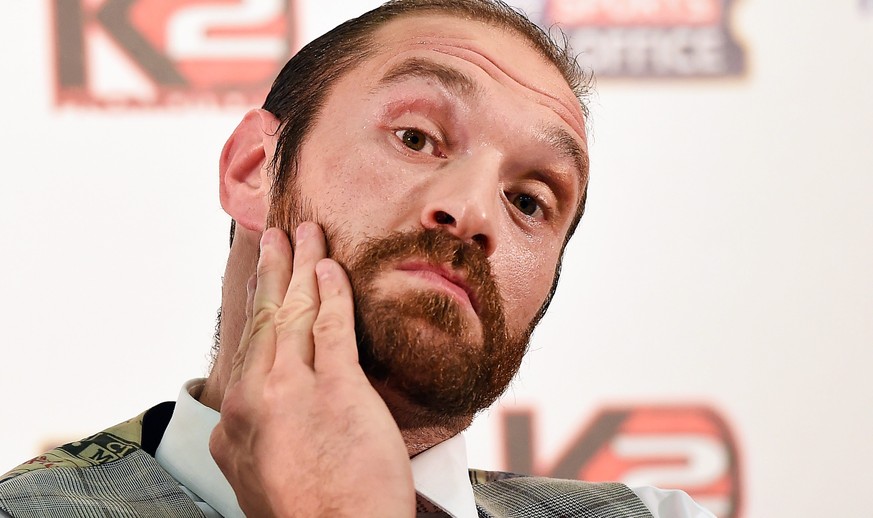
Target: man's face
[(446, 170)]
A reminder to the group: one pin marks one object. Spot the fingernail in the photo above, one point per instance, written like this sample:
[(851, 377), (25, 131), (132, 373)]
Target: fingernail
[(302, 232), (322, 270), (266, 238), (250, 286)]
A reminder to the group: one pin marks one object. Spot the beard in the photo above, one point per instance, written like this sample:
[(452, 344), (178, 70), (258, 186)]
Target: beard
[(422, 344)]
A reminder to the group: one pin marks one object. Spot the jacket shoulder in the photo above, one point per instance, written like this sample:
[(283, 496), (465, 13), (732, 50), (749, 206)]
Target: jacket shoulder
[(130, 486), (110, 473)]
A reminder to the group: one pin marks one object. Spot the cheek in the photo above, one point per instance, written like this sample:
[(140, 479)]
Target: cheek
[(525, 276), (356, 188)]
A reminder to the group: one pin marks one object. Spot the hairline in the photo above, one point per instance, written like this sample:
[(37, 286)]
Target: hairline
[(369, 49)]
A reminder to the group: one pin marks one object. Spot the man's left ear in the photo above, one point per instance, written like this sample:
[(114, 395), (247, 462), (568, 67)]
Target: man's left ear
[(244, 183)]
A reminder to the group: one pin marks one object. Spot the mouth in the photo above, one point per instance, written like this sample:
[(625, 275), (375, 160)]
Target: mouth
[(445, 277)]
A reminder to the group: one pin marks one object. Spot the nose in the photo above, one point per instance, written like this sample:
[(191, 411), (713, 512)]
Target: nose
[(465, 209)]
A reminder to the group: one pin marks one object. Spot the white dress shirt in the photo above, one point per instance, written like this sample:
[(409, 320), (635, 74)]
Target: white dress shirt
[(439, 473)]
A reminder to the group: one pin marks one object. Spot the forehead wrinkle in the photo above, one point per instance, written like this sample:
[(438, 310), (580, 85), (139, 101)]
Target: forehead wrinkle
[(571, 113), (453, 80)]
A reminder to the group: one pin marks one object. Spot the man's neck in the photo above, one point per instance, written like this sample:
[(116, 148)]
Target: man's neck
[(420, 439), (241, 264), (421, 429)]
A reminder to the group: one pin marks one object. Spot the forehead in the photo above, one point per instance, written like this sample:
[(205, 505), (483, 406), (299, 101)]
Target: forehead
[(503, 54)]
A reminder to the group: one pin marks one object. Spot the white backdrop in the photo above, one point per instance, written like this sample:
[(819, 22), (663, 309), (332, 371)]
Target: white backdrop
[(725, 259)]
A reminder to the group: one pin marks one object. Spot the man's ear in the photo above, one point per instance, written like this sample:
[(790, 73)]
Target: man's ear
[(244, 183)]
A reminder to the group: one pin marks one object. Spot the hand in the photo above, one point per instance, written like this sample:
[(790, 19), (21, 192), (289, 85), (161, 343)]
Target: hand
[(302, 431)]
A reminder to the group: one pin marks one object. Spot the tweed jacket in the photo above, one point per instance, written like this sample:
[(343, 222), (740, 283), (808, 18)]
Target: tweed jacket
[(114, 473)]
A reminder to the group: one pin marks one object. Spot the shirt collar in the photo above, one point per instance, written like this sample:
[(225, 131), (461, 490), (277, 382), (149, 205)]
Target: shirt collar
[(440, 473), (184, 452)]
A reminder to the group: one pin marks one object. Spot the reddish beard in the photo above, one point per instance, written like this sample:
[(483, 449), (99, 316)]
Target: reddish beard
[(424, 344), (421, 345)]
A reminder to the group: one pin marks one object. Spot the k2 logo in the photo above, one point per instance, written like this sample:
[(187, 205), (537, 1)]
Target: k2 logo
[(676, 447), (169, 52)]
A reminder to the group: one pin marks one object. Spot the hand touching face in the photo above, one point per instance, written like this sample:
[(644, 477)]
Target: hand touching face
[(302, 431)]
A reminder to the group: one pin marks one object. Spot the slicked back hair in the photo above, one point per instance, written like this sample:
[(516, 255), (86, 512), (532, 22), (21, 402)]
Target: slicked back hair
[(301, 88)]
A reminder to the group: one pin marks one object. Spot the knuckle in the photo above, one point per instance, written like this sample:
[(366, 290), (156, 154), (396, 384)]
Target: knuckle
[(286, 329), (239, 356), (301, 301), (329, 324), (218, 444), (233, 407), (274, 394), (297, 307), (262, 318), (267, 266)]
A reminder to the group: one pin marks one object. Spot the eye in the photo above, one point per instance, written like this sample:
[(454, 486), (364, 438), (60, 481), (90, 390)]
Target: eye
[(526, 204), (419, 141), (413, 139)]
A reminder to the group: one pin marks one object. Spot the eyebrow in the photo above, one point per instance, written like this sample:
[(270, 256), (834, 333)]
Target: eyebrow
[(455, 81), (460, 84), (567, 146)]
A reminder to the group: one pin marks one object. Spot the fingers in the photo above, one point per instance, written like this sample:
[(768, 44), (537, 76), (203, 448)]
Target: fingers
[(300, 306), (290, 315), (334, 329), (273, 277)]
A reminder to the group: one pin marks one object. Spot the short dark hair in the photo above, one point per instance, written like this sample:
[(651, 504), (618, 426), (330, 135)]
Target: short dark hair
[(301, 88)]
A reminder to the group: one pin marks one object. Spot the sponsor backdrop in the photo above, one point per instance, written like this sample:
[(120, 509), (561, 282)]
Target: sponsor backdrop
[(714, 326)]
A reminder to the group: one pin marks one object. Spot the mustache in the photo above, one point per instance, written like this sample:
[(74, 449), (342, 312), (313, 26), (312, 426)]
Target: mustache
[(435, 246)]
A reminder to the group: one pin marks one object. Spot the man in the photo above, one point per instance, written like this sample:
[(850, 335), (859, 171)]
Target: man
[(429, 162)]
